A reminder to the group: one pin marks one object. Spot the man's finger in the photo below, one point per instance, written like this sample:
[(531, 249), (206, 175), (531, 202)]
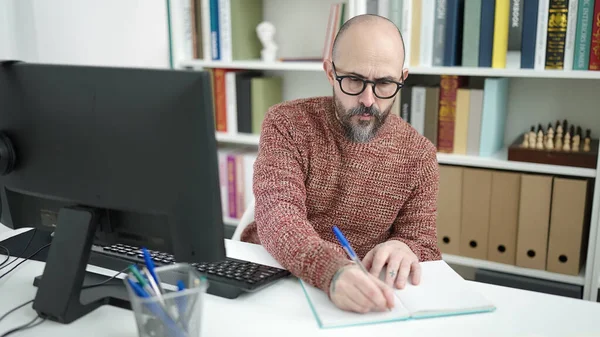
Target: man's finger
[(416, 272), (347, 303), (403, 273), (387, 292), (368, 259), (374, 293), (392, 269), (379, 259)]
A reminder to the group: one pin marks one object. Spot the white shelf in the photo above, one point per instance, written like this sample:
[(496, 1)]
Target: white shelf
[(461, 71), (245, 139), (499, 161), (230, 221), (510, 269)]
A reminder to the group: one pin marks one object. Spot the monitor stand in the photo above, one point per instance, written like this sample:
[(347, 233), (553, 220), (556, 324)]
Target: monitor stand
[(60, 296)]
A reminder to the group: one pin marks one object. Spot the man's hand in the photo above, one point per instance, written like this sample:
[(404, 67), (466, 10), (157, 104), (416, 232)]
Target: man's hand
[(354, 290), (399, 260)]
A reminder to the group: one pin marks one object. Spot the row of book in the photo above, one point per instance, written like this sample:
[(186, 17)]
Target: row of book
[(241, 99), (513, 34), (460, 115), (236, 167), (523, 219)]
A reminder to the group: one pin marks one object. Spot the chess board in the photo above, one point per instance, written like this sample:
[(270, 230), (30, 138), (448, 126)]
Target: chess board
[(587, 159)]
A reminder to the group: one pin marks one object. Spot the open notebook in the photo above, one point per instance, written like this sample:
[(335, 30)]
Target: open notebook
[(441, 292)]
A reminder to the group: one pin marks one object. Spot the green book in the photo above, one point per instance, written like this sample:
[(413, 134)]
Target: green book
[(441, 292), (245, 16), (264, 93), (471, 29), (583, 35)]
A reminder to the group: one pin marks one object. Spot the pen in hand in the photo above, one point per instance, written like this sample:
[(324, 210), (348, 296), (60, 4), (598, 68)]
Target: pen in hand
[(352, 255)]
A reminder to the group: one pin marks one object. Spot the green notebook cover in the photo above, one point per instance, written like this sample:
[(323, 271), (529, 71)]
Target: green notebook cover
[(245, 16), (441, 292)]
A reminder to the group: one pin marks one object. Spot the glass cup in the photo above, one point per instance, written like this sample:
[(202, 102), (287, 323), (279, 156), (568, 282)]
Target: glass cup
[(177, 309)]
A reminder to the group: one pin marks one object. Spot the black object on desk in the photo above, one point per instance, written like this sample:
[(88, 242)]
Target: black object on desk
[(105, 156)]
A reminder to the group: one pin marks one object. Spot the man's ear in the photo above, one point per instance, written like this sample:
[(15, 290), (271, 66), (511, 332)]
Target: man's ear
[(328, 68), (405, 74)]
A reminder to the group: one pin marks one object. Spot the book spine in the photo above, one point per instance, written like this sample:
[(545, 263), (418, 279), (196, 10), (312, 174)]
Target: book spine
[(447, 113), (406, 103), (417, 118), (486, 37), (500, 44), (427, 30), (206, 31), (225, 30), (220, 100), (557, 33), (530, 17), (439, 32), (453, 45), (595, 41), (583, 36), (541, 34), (407, 11), (214, 30), (231, 185), (231, 99), (515, 34), (570, 39), (471, 33)]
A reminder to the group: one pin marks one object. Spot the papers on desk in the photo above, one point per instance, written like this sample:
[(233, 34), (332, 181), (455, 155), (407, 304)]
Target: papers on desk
[(441, 292)]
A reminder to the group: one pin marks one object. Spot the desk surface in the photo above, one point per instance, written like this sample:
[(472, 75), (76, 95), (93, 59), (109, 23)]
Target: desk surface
[(283, 310)]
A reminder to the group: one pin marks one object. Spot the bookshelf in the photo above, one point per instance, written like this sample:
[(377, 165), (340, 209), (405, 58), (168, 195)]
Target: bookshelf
[(534, 96)]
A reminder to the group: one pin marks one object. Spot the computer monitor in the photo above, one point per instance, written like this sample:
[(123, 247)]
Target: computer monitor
[(115, 155)]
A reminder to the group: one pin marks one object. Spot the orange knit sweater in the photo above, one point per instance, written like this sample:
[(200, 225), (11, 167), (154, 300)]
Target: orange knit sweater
[(308, 177)]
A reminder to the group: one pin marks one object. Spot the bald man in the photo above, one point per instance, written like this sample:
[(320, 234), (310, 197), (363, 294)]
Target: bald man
[(345, 161)]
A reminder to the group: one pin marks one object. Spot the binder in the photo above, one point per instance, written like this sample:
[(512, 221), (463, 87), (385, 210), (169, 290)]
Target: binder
[(568, 219), (504, 217), (477, 188), (534, 221), (449, 209)]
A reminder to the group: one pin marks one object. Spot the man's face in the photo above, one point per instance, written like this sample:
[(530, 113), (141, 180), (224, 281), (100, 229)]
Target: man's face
[(363, 115)]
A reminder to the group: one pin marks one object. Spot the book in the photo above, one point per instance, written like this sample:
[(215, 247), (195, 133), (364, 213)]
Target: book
[(441, 292)]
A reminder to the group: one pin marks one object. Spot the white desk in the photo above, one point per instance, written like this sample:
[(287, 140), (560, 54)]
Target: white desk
[(282, 310)]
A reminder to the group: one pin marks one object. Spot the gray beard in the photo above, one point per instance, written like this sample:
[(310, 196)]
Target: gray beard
[(363, 131)]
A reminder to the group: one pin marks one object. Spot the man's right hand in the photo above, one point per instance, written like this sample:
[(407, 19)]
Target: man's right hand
[(353, 290)]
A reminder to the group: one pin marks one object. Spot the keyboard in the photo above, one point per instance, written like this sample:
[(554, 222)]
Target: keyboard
[(228, 278)]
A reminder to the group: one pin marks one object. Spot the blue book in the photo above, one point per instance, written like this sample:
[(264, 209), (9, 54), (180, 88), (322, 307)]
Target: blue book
[(215, 46), (493, 116), (453, 33), (583, 35), (486, 36), (441, 292), (530, 15)]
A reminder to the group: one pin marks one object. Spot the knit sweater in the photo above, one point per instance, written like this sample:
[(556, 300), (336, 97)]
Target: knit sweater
[(308, 177)]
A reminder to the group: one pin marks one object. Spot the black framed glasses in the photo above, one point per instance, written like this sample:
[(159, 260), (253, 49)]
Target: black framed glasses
[(353, 85)]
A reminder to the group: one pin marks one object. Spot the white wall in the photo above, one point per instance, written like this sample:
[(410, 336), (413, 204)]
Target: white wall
[(8, 48), (131, 33)]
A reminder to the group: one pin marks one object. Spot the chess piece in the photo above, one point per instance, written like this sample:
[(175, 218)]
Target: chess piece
[(575, 143), (559, 136), (532, 137), (567, 142), (266, 32), (539, 144), (525, 143), (587, 141), (549, 141)]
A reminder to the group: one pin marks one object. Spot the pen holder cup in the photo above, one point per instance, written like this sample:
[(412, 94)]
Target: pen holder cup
[(175, 313)]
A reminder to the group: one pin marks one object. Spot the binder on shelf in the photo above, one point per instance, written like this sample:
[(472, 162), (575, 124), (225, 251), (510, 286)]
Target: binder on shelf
[(504, 217), (449, 209), (534, 220), (567, 222), (476, 194)]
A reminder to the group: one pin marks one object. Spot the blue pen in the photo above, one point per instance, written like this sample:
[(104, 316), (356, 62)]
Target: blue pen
[(181, 302), (156, 309), (150, 265), (346, 245)]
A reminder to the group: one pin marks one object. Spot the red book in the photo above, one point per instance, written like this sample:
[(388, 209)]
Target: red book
[(447, 111), (220, 100), (595, 45)]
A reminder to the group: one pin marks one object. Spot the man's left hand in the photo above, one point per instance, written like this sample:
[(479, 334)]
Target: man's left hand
[(399, 261)]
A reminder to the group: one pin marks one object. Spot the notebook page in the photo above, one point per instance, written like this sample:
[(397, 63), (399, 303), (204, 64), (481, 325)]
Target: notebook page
[(441, 291), (328, 315)]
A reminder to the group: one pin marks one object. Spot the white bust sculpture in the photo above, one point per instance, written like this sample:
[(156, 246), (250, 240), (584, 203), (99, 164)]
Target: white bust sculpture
[(266, 32)]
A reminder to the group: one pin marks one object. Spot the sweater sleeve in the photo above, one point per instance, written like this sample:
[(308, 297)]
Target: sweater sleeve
[(416, 221), (280, 211)]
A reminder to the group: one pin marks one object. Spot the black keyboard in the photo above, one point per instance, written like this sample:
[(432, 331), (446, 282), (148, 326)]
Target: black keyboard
[(228, 278)]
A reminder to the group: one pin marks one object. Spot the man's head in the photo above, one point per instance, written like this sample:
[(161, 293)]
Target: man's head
[(367, 47)]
